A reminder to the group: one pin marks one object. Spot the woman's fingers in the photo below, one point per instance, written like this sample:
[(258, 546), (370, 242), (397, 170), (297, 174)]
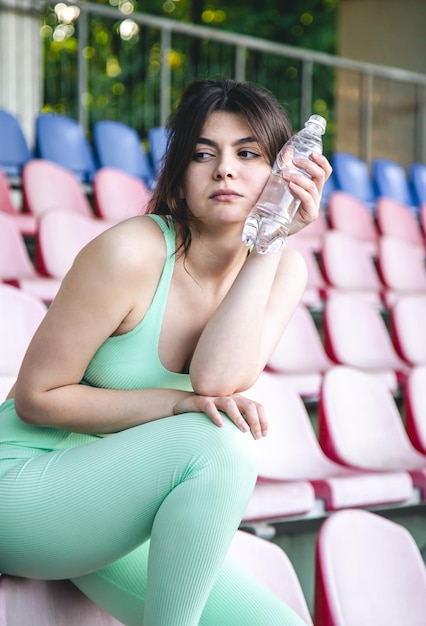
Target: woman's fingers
[(245, 413)]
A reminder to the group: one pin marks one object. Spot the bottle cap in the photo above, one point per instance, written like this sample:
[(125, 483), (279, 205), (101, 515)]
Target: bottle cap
[(319, 121)]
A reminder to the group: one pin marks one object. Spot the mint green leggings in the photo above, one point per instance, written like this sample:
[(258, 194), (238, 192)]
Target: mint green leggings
[(140, 521)]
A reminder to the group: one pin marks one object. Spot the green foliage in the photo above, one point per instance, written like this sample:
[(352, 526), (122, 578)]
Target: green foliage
[(123, 59)]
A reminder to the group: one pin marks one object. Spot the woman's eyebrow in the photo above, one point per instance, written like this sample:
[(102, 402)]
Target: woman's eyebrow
[(239, 142)]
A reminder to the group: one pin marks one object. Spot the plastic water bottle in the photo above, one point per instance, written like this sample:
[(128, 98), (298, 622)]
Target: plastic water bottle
[(268, 223)]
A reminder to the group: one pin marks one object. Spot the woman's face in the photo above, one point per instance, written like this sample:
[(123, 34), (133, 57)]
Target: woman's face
[(228, 171)]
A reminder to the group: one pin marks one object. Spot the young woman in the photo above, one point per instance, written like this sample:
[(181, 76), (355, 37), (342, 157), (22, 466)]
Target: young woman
[(127, 454)]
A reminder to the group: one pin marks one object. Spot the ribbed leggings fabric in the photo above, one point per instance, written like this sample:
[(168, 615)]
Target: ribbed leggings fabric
[(141, 522)]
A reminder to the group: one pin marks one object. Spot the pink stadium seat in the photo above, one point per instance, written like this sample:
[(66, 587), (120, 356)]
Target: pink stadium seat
[(48, 603), (355, 334), (396, 220), (300, 354), (349, 267), (316, 287), (268, 563), (6, 384), (291, 452), (369, 572), (274, 501), (408, 328), (27, 223), (62, 234), (349, 215), (361, 427), (313, 234), (16, 267), (118, 194), (402, 268), (20, 315), (49, 186), (415, 407)]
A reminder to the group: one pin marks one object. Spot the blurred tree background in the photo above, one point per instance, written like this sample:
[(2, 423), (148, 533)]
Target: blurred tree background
[(123, 58)]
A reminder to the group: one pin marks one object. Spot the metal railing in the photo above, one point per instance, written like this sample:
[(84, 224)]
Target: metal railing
[(134, 66)]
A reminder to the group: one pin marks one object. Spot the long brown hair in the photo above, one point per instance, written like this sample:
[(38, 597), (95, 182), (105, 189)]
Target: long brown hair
[(266, 118)]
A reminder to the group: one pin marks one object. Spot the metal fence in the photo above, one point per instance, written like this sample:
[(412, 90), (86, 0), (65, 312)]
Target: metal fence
[(101, 62)]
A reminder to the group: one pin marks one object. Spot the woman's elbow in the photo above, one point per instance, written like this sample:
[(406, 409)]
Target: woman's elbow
[(25, 406), (220, 387)]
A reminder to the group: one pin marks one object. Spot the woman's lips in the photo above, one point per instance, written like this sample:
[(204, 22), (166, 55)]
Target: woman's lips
[(223, 195)]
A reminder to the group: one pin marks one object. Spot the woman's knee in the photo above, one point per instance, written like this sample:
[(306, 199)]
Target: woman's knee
[(234, 451)]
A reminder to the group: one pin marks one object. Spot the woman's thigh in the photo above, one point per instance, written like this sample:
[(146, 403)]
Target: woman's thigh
[(70, 512)]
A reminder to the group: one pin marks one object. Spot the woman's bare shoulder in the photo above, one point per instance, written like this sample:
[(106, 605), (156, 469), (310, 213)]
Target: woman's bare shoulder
[(127, 246)]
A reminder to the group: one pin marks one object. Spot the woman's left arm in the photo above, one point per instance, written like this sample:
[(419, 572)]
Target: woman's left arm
[(236, 343)]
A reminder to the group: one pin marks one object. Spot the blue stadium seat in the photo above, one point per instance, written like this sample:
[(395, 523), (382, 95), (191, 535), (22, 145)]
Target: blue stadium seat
[(157, 139), (61, 139), (119, 145), (329, 188), (352, 175), (390, 180), (14, 149), (418, 182)]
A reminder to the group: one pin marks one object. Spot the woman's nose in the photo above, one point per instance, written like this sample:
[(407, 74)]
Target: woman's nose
[(224, 169)]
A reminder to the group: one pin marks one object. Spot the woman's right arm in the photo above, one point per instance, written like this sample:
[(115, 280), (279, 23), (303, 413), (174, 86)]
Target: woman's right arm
[(96, 296)]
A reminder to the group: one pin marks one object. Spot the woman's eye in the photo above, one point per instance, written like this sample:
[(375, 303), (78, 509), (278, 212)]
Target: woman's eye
[(248, 154), (202, 156)]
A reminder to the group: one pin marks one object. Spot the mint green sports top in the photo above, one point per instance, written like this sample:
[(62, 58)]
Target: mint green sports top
[(131, 361), (128, 361)]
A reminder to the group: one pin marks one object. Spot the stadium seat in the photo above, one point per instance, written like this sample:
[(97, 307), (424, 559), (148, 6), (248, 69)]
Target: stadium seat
[(119, 145), (408, 317), (351, 216), (391, 181), (48, 603), (368, 572), (118, 195), (14, 149), (268, 563), (61, 139), (157, 140), (402, 269), (395, 219), (316, 287), (417, 176), (349, 267), (291, 452), (16, 267), (6, 384), (360, 426), (329, 188), (48, 186), (277, 501), (313, 235), (415, 407), (355, 334), (62, 234), (27, 223), (300, 354), (422, 218), (353, 176), (20, 316)]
